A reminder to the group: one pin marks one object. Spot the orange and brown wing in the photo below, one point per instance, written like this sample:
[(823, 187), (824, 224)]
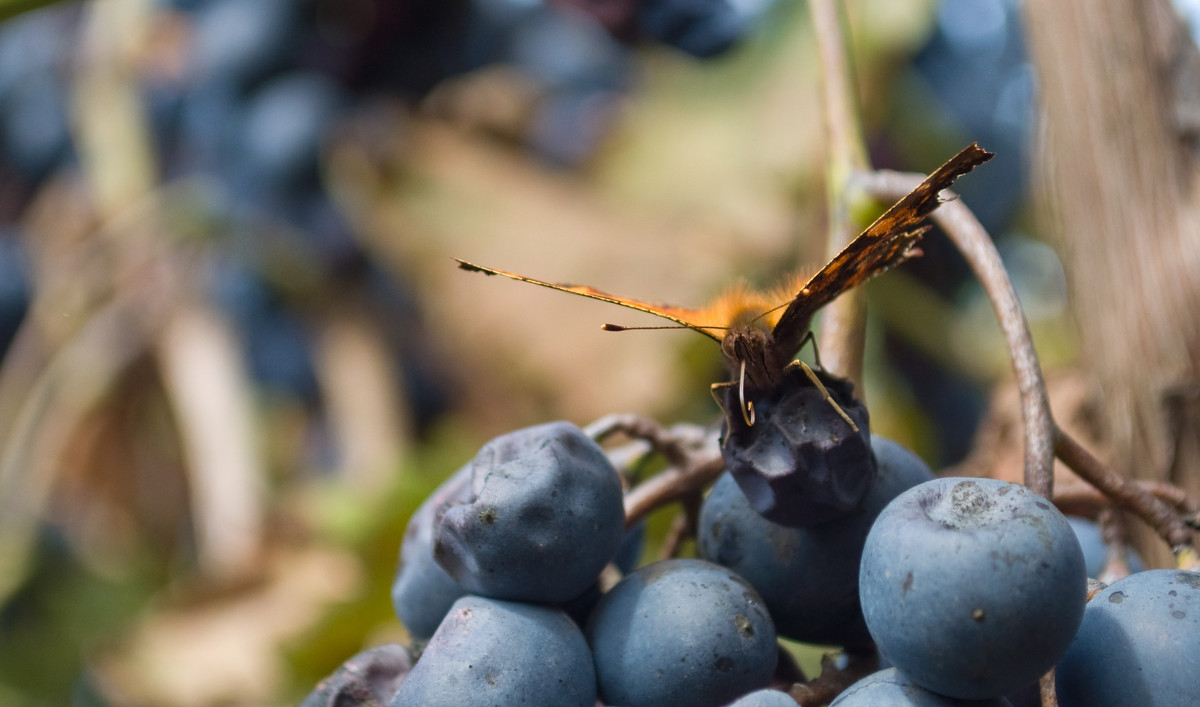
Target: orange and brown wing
[(885, 243), (690, 318)]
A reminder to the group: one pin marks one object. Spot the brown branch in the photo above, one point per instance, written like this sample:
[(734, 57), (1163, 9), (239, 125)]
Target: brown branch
[(972, 240), (670, 485), (1083, 499), (683, 526), (675, 444), (833, 680), (689, 449), (1124, 492), (1115, 532)]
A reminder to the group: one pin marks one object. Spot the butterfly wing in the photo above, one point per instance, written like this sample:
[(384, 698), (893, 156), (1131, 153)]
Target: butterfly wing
[(885, 243), (690, 318)]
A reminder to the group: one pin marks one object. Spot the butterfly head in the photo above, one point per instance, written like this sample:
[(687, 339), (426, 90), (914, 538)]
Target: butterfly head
[(763, 361)]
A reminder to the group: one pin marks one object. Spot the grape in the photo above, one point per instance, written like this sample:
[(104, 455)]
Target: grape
[(808, 577), (570, 125), (630, 551), (681, 632), (568, 51), (423, 592), (546, 514), (1139, 644), (972, 587), (764, 698), (369, 678), (890, 687), (239, 42), (35, 130), (491, 652), (801, 464), (1095, 552), (15, 285), (702, 28), (283, 128)]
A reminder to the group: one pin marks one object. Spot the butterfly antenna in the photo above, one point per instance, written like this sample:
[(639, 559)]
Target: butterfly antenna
[(772, 309), (618, 327)]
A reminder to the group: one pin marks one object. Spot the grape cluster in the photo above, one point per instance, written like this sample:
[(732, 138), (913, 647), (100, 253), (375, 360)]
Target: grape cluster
[(242, 97), (967, 590), (499, 571)]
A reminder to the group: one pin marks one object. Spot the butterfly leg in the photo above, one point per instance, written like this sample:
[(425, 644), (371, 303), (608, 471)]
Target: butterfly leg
[(721, 404), (824, 391), (810, 339), (746, 407)]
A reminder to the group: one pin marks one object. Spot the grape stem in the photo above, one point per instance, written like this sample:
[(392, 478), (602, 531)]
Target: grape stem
[(1081, 499), (843, 323), (1044, 439), (973, 241), (690, 450), (1138, 498), (833, 679)]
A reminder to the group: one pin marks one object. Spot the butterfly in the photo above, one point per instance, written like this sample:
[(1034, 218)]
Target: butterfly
[(761, 333)]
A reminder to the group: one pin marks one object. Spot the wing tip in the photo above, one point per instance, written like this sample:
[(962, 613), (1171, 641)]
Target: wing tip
[(471, 267)]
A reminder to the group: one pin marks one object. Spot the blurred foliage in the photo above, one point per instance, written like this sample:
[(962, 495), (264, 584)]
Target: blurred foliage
[(238, 355), (11, 8)]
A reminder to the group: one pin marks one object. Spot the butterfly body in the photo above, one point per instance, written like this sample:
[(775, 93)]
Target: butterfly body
[(761, 333)]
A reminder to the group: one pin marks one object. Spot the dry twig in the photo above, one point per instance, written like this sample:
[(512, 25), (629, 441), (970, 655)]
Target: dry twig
[(833, 679)]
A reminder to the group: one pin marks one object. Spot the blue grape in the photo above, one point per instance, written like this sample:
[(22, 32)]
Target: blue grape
[(490, 652), (285, 123), (681, 632), (1139, 644), (628, 554), (892, 688), (808, 577), (972, 587), (35, 130), (239, 42), (424, 592), (764, 698), (546, 515), (15, 285), (1095, 552), (702, 28)]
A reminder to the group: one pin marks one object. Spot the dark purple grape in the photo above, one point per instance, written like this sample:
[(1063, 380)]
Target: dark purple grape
[(369, 679), (972, 587), (800, 463), (681, 632)]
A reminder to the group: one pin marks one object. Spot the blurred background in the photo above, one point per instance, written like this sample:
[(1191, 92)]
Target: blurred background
[(237, 353)]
